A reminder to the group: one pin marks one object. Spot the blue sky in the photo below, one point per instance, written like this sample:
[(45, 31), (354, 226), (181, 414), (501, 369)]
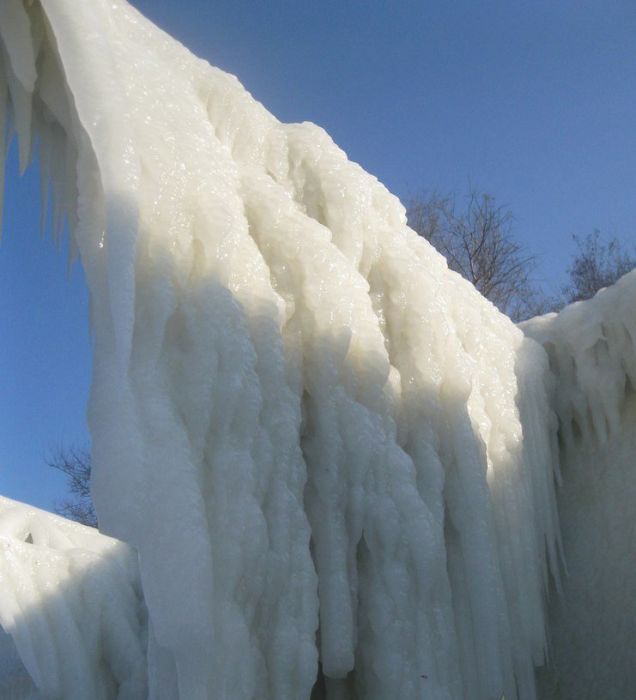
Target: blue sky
[(532, 102)]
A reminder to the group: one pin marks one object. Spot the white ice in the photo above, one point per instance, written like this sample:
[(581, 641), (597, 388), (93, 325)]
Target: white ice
[(71, 601), (592, 350), (325, 446)]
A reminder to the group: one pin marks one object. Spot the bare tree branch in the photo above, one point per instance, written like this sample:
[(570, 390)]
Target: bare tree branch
[(75, 464), (596, 265), (478, 244)]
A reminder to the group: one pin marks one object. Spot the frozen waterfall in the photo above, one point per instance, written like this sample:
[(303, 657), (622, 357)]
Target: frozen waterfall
[(335, 459)]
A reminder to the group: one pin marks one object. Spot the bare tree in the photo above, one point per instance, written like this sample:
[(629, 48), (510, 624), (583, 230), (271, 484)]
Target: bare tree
[(76, 465), (596, 265), (478, 243)]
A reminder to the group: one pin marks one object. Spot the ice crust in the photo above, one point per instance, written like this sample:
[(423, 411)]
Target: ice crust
[(325, 446)]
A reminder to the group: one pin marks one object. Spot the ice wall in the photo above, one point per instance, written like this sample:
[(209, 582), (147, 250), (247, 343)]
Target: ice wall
[(71, 601), (325, 445), (592, 349)]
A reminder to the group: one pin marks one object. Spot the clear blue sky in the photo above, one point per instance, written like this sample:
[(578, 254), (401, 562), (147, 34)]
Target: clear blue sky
[(534, 102)]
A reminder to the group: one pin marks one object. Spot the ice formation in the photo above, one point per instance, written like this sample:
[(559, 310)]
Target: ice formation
[(71, 601), (592, 349), (335, 459)]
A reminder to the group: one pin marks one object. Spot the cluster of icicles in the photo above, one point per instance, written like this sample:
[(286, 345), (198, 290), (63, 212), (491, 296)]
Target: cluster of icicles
[(335, 459)]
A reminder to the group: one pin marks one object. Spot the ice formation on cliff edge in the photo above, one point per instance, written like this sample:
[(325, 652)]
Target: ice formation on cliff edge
[(323, 443)]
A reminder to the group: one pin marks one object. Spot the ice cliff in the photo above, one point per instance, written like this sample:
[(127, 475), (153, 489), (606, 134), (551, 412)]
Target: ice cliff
[(335, 459)]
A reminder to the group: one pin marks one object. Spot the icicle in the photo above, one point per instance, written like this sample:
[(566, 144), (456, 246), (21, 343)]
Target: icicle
[(58, 182), (15, 32), (3, 136), (70, 184), (21, 104), (45, 173)]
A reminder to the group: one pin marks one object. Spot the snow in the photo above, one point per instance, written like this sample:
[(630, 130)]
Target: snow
[(324, 445)]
